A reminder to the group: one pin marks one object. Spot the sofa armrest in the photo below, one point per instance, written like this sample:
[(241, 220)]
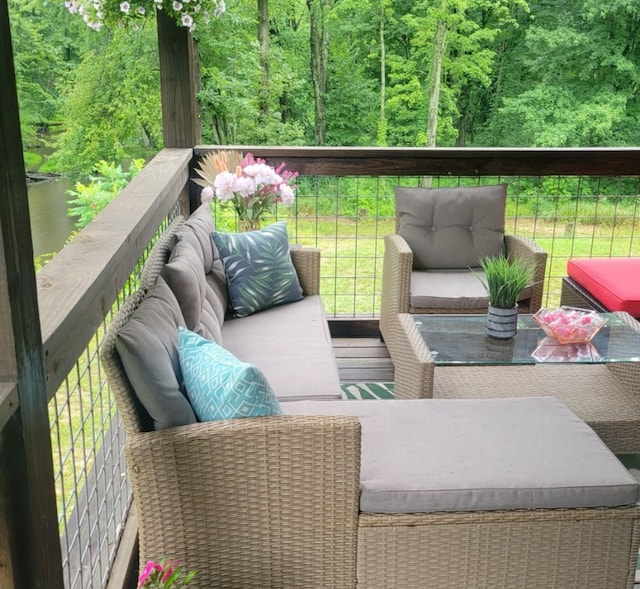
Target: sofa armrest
[(306, 261), (397, 265), (534, 256), (270, 501)]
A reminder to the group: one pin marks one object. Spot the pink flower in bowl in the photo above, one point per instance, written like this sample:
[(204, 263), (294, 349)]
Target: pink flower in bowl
[(569, 325)]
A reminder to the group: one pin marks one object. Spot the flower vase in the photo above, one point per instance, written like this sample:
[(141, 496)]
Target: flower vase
[(248, 225), (501, 323)]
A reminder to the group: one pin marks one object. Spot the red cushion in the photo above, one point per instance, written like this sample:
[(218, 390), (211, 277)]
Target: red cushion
[(615, 282)]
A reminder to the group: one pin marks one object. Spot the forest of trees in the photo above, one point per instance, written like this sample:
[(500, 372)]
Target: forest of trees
[(340, 72)]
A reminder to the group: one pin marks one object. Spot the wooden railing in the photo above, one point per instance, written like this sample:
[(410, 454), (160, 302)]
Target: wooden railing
[(78, 289)]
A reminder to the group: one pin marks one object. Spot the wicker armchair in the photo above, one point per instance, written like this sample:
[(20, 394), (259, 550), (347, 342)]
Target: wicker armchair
[(397, 273)]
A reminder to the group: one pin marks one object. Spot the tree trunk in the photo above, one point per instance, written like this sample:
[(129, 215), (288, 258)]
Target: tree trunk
[(263, 41), (382, 125), (433, 88), (435, 76), (319, 39)]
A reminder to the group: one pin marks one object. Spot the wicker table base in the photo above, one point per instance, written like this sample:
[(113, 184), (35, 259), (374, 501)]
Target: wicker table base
[(606, 396)]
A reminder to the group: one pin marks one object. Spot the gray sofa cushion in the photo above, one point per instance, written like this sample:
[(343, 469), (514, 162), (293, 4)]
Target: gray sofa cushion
[(480, 454), (197, 231), (258, 268), (451, 227), (184, 273), (148, 348), (292, 346), (451, 289)]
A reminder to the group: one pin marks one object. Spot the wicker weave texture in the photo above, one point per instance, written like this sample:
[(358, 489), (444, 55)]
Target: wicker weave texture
[(541, 549), (414, 367), (251, 503), (306, 261), (573, 295), (159, 254)]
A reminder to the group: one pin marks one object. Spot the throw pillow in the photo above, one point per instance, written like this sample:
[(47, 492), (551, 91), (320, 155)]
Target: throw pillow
[(451, 227), (219, 385), (258, 268), (148, 348)]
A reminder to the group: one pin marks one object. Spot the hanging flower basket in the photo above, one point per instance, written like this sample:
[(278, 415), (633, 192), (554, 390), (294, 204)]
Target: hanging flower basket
[(98, 13)]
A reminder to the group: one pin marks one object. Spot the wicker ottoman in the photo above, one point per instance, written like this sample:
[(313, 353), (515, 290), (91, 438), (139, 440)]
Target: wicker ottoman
[(603, 284)]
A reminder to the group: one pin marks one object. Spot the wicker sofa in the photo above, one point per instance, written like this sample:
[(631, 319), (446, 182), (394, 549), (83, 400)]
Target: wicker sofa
[(374, 494)]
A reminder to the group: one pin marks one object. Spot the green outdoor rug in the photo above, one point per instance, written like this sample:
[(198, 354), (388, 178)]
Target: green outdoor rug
[(367, 390)]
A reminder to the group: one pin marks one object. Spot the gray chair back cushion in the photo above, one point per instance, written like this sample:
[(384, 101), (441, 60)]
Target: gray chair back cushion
[(184, 273), (451, 227), (148, 348), (197, 231)]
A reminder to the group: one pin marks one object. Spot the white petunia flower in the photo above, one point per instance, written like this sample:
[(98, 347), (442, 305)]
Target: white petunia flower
[(187, 20), (125, 7)]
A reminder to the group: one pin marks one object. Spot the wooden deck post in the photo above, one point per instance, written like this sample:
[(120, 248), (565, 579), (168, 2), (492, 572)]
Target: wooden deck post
[(179, 83), (30, 556)]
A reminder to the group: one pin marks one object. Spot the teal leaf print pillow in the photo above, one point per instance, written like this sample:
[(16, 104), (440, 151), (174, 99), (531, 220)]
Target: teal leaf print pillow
[(258, 267), (219, 385)]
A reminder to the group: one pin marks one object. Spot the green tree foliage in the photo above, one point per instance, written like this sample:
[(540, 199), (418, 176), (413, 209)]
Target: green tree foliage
[(235, 107), (89, 199), (506, 72), (112, 106), (573, 79), (44, 53)]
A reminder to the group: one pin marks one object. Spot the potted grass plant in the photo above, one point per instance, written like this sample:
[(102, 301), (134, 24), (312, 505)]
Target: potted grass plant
[(503, 280)]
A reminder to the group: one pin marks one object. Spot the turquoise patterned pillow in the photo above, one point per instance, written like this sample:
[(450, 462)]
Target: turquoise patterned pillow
[(220, 386), (258, 267)]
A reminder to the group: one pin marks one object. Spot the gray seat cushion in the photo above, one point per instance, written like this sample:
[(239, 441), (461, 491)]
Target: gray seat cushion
[(292, 346), (451, 227), (482, 454), (451, 289)]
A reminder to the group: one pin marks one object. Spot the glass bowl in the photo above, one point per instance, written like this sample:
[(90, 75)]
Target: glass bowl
[(568, 325)]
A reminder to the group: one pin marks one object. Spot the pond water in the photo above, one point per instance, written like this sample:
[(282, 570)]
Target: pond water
[(50, 225)]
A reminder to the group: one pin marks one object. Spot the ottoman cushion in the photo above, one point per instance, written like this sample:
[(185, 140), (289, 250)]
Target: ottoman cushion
[(615, 282), (478, 454)]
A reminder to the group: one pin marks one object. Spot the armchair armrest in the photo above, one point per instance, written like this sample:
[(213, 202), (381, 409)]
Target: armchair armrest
[(269, 501), (535, 257), (306, 261), (396, 283)]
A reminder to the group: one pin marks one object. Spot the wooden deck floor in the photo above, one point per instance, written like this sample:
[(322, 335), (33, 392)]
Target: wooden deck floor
[(362, 359)]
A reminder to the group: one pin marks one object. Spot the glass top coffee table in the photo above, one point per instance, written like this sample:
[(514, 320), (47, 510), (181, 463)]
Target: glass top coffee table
[(461, 339), (450, 356)]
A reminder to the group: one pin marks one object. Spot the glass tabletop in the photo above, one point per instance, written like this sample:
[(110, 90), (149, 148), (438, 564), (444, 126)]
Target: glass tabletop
[(461, 339)]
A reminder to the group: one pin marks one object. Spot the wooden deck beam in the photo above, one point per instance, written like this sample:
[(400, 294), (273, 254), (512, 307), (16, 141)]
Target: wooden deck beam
[(30, 556)]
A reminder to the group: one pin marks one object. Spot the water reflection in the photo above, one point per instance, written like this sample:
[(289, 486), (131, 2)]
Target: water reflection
[(50, 225)]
